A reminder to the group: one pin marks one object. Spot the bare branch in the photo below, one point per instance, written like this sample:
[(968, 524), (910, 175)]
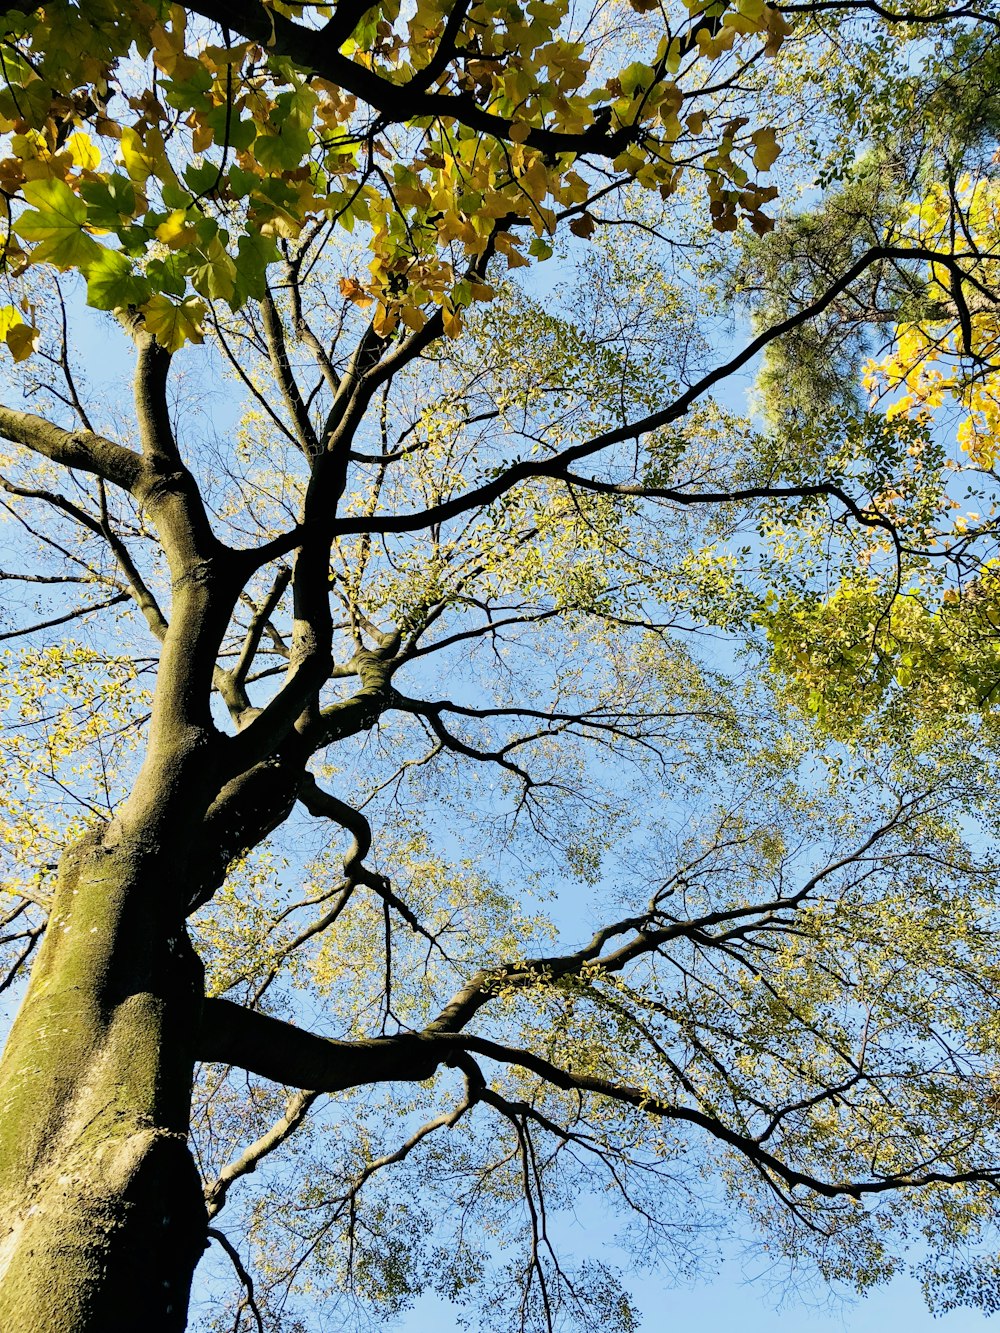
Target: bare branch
[(251, 1304), (65, 619), (295, 1112)]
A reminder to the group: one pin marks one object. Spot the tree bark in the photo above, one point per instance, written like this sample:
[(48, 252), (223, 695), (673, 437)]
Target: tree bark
[(101, 1214)]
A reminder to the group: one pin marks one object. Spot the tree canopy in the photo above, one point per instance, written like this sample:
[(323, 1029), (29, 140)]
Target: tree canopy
[(459, 759)]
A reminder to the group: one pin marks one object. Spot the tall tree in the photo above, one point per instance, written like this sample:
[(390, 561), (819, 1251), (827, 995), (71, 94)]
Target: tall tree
[(427, 584)]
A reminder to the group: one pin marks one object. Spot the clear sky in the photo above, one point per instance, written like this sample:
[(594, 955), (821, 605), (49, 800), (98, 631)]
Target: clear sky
[(732, 1302)]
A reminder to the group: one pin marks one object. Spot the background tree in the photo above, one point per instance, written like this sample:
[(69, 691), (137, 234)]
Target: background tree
[(898, 626), (428, 595)]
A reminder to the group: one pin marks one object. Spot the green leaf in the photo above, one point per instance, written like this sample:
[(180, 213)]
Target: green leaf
[(216, 276), (56, 225), (241, 132), (200, 178), (284, 151), (112, 284), (241, 182), (254, 254), (636, 77), (169, 275), (175, 197), (109, 202)]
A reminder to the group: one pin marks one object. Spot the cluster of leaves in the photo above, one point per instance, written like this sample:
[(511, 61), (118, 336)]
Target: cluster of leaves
[(67, 752), (901, 627), (435, 132), (954, 355)]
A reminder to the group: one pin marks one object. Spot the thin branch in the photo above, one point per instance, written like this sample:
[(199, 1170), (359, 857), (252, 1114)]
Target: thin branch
[(295, 1112), (559, 464), (251, 1304), (70, 615)]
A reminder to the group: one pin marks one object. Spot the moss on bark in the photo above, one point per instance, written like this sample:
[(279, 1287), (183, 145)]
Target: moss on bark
[(101, 1215)]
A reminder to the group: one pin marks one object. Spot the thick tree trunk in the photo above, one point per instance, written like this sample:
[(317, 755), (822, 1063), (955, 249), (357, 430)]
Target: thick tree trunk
[(101, 1215)]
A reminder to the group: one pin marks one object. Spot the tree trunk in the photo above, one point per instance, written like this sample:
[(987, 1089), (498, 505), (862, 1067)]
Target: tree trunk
[(101, 1215)]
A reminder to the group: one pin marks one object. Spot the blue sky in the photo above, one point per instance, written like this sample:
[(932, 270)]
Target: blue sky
[(735, 1301)]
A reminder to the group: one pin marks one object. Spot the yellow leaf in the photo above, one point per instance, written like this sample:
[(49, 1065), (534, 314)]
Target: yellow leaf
[(138, 162), (174, 323), (22, 339), (506, 245), (176, 232), (711, 47), (413, 317), (766, 148), (10, 317), (777, 28), (385, 320), (168, 43), (218, 57), (84, 151)]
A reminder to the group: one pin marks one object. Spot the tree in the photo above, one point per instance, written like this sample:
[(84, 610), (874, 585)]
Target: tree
[(439, 560), (910, 627)]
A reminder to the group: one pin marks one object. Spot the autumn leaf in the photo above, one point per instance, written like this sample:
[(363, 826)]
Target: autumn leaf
[(22, 340), (173, 323), (177, 230), (413, 317), (139, 164), (83, 151), (353, 291), (766, 148)]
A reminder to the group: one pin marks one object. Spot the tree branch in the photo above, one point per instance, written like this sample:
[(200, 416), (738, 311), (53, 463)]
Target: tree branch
[(395, 103), (234, 1257), (74, 449), (286, 1054), (251, 1157), (559, 464), (233, 1035), (281, 366)]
